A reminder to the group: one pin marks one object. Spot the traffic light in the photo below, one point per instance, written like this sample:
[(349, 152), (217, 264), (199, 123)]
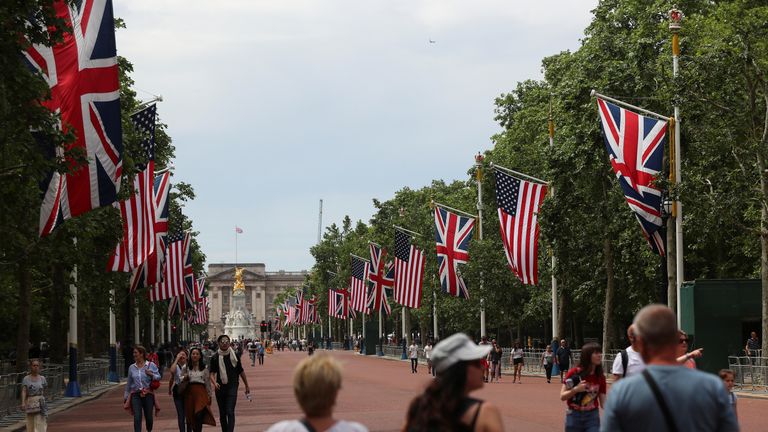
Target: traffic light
[(263, 326), (269, 326)]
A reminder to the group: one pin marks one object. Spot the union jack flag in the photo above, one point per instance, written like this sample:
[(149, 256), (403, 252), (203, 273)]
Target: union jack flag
[(150, 273), (201, 312), (452, 236), (635, 145), (519, 203), (138, 211), (82, 74), (357, 285), (177, 272), (199, 288), (382, 277), (409, 271)]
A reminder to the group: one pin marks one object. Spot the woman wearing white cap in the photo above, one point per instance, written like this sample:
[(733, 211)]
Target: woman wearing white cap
[(445, 404)]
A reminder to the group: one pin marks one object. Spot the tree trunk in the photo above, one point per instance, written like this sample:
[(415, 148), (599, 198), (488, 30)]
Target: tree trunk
[(561, 314), (764, 248), (25, 296), (59, 300), (608, 336)]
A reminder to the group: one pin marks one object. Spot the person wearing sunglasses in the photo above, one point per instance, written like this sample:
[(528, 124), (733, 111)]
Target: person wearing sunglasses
[(686, 358), (226, 370), (445, 404)]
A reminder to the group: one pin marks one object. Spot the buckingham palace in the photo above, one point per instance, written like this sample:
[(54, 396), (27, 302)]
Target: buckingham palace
[(261, 288)]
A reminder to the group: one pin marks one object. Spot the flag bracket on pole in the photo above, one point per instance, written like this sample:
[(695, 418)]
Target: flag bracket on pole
[(513, 172), (437, 204), (594, 93)]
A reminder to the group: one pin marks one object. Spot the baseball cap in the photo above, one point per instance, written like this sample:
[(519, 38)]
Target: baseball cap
[(456, 348)]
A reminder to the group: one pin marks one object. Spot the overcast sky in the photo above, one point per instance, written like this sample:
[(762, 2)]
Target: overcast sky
[(274, 105)]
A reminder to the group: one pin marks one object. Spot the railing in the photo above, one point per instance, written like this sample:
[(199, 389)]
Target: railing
[(91, 374), (749, 373)]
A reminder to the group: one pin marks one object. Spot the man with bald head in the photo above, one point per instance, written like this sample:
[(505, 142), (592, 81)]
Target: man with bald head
[(666, 396), (628, 362)]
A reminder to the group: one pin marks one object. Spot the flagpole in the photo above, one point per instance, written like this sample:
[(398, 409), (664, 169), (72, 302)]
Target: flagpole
[(235, 247), (434, 309), (73, 388), (381, 336), (674, 26), (112, 376), (551, 127), (407, 230), (479, 165)]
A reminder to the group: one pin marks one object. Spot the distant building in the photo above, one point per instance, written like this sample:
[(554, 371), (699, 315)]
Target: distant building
[(261, 288)]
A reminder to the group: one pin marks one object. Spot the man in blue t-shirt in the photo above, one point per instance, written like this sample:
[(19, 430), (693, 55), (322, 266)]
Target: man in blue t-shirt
[(695, 400)]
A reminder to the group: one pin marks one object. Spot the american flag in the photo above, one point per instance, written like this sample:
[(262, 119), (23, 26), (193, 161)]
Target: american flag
[(635, 145), (82, 75), (519, 203), (452, 236), (409, 271), (174, 307), (177, 272), (150, 272), (335, 302), (290, 317), (357, 285), (382, 277), (201, 311), (138, 211)]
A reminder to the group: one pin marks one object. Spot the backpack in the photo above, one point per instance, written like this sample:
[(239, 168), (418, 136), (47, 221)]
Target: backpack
[(624, 362)]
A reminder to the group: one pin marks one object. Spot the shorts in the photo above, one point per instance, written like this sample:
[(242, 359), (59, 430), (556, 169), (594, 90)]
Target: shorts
[(517, 361), (484, 362)]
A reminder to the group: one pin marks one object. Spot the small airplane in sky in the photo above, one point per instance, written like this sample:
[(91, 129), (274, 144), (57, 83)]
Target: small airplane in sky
[(431, 41)]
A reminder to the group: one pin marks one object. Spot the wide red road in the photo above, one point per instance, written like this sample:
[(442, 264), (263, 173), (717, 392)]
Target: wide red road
[(375, 392)]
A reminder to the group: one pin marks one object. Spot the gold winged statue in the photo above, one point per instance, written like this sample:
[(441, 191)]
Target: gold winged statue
[(239, 285)]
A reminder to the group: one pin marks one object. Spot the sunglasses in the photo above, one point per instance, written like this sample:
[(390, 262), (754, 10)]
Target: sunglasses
[(683, 340)]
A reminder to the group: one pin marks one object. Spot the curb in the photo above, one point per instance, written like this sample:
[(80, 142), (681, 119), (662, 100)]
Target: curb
[(22, 424)]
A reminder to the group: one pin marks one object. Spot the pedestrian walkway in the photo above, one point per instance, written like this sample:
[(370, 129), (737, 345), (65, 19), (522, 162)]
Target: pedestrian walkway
[(375, 392)]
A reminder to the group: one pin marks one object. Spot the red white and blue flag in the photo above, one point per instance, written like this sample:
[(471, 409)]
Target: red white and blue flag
[(409, 271), (82, 75), (178, 276), (519, 203), (150, 273), (635, 145), (382, 277), (199, 288), (357, 284), (452, 236), (138, 211)]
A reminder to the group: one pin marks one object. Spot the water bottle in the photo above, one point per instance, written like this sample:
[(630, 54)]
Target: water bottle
[(249, 397)]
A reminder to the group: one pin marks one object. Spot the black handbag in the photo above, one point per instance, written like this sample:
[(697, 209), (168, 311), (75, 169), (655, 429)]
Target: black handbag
[(181, 388)]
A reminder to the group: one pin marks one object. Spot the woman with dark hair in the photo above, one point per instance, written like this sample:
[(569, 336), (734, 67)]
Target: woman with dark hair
[(197, 395), (517, 363), (139, 395), (178, 369), (445, 404), (584, 391)]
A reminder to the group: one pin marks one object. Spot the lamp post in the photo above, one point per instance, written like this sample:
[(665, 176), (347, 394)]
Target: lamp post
[(479, 165)]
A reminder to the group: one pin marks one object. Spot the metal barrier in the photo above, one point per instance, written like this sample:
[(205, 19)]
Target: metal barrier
[(10, 388), (749, 373)]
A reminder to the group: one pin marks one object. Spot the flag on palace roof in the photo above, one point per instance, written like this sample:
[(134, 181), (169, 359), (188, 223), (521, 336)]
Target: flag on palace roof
[(635, 145), (81, 72)]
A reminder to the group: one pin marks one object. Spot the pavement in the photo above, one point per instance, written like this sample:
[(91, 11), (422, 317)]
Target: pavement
[(375, 392)]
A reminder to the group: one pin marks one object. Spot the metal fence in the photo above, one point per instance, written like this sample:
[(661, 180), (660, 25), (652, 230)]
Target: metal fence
[(91, 374), (749, 373), (533, 363)]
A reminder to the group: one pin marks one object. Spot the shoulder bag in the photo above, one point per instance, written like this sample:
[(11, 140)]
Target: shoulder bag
[(671, 427)]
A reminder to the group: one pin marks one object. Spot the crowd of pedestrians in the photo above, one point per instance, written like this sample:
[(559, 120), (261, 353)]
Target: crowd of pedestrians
[(655, 384)]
